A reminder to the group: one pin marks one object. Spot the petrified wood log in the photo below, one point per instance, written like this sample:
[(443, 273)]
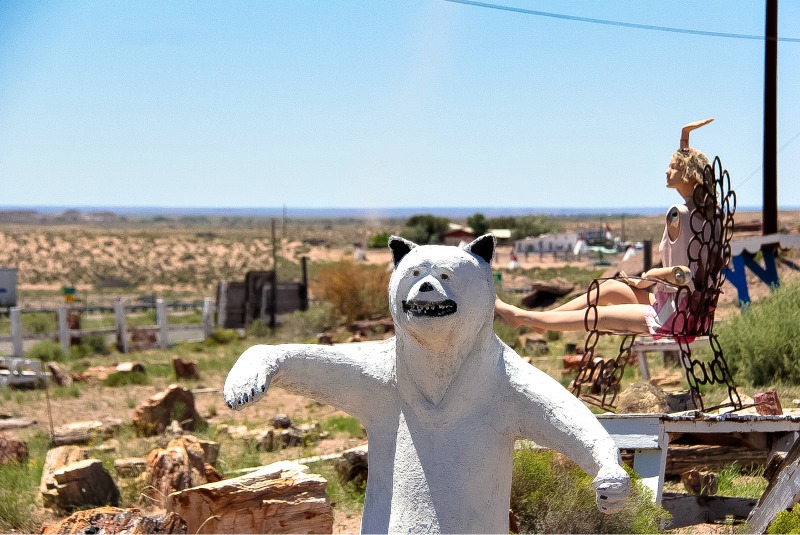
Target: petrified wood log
[(56, 459), (84, 483), (179, 466), (280, 498), (12, 450), (115, 520), (175, 403)]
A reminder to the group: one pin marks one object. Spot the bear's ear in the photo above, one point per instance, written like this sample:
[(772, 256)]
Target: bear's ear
[(483, 247), (400, 247)]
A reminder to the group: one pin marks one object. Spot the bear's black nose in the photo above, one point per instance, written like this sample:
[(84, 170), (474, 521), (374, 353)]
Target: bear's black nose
[(426, 287)]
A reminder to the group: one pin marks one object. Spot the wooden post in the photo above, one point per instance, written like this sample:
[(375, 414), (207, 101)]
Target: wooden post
[(264, 303), (648, 254), (273, 298), (16, 331), (304, 289), (208, 315), (121, 326), (222, 304), (161, 321), (63, 328)]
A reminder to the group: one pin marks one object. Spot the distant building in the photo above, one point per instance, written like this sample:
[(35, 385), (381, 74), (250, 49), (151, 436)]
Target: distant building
[(458, 234), (503, 235), (547, 243)]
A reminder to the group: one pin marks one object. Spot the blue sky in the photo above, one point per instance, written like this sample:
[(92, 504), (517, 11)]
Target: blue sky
[(382, 104)]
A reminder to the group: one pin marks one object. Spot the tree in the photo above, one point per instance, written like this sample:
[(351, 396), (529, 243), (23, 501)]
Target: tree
[(478, 223), (426, 229), (533, 225)]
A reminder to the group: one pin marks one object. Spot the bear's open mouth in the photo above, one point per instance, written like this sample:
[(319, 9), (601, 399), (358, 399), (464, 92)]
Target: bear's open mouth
[(425, 308)]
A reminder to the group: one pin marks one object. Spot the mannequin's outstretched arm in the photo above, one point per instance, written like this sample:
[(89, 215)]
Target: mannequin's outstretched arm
[(351, 377), (687, 129), (552, 417)]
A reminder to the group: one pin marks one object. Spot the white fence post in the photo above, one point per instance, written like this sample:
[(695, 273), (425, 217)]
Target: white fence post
[(16, 331), (121, 326), (63, 328), (208, 316), (222, 305), (161, 321)]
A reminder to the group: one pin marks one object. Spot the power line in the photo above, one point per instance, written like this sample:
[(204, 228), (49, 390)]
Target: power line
[(751, 175), (620, 23)]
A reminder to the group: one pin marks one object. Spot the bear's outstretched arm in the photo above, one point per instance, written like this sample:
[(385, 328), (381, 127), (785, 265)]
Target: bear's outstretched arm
[(349, 377), (552, 417)]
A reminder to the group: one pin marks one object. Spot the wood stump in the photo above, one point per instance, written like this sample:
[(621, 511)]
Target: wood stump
[(115, 520), (280, 498)]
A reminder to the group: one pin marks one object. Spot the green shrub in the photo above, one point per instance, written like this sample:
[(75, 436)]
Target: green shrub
[(222, 336), (379, 241), (551, 494), (762, 344), (97, 343), (46, 350), (126, 378), (19, 486), (786, 522), (344, 425), (39, 322)]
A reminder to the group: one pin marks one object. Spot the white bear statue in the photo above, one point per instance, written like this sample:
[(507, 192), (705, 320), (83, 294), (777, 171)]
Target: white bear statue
[(442, 402)]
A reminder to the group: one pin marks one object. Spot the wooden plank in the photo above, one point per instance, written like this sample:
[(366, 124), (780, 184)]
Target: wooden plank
[(782, 492), (689, 509)]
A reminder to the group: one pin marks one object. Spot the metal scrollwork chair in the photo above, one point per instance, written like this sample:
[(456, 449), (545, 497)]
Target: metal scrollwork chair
[(598, 380)]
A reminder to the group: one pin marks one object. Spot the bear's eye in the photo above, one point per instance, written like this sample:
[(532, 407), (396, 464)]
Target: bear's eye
[(415, 272), (445, 276)]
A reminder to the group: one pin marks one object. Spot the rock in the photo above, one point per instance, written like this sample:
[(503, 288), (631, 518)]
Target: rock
[(109, 520), (212, 474), (642, 398), (143, 338), (175, 403), (545, 293), (353, 465), (280, 498), (325, 339), (703, 482), (60, 376), (84, 483), (179, 466), (130, 467), (680, 402), (56, 459), (210, 450), (767, 403), (281, 421), (101, 373), (13, 450), (533, 342), (185, 369), (277, 439)]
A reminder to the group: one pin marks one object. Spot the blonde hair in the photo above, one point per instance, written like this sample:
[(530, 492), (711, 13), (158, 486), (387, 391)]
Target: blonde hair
[(692, 162)]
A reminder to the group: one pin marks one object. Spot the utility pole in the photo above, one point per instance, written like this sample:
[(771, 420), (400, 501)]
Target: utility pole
[(770, 182)]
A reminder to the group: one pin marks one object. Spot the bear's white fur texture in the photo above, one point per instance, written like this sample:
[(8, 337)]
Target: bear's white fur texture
[(442, 402)]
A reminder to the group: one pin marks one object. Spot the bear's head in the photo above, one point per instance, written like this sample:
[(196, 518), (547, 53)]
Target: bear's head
[(437, 289)]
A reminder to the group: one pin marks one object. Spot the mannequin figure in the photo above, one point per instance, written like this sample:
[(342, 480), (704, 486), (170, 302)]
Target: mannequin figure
[(637, 304)]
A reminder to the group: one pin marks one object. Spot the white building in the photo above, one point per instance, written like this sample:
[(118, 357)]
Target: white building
[(547, 243)]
